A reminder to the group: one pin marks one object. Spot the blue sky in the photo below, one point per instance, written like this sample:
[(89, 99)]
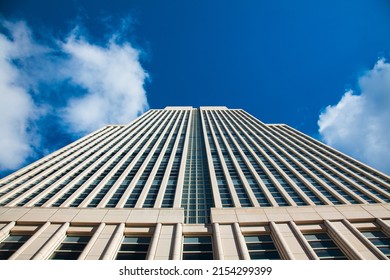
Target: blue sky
[(318, 66)]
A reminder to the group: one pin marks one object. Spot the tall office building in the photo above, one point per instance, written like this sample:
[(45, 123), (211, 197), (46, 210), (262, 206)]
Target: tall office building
[(195, 183)]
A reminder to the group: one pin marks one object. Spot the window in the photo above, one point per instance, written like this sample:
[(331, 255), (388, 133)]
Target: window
[(70, 248), (380, 240), (133, 248), (11, 244), (324, 246), (197, 248), (261, 247)]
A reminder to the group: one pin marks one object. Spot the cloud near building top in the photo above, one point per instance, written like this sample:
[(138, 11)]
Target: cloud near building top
[(85, 85), (359, 123)]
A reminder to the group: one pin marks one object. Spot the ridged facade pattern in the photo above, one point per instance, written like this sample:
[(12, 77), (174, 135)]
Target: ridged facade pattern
[(197, 162)]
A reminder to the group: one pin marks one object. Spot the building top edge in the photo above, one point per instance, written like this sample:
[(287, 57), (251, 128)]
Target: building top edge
[(276, 124), (178, 107), (201, 107), (213, 108)]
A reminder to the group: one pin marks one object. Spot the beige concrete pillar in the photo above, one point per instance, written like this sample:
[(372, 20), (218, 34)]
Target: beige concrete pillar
[(217, 242), (365, 240), (384, 226), (342, 241), (91, 242), (29, 241), (241, 242), (176, 252), (283, 246), (153, 245), (110, 251), (44, 252), (4, 232), (302, 240)]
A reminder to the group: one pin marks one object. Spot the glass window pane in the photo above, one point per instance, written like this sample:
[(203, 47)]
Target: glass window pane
[(70, 248), (266, 255), (65, 256), (197, 248), (261, 247), (328, 252), (381, 242), (385, 251), (372, 234), (10, 246), (197, 239), (134, 248), (77, 239), (4, 255), (258, 238), (199, 256), (131, 256), (324, 246), (17, 238)]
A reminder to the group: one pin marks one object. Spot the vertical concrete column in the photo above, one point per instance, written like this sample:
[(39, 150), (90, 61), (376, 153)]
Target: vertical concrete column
[(153, 245), (177, 242), (213, 178), (241, 242), (283, 246), (384, 226), (44, 252), (378, 253), (182, 169), (217, 241), (302, 240), (92, 241), (114, 243), (29, 241), (342, 241), (5, 230)]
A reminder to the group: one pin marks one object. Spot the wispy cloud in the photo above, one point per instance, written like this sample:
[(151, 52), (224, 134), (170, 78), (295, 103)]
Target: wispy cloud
[(113, 79), (76, 83), (359, 123), (17, 108)]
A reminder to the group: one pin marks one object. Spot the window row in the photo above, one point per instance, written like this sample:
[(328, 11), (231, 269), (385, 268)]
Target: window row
[(259, 245)]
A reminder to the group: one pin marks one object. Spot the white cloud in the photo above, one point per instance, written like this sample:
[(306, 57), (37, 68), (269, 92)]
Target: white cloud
[(110, 77), (359, 124), (113, 78), (16, 105)]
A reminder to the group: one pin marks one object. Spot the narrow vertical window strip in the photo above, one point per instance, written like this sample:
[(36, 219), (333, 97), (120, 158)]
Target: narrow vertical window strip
[(197, 196)]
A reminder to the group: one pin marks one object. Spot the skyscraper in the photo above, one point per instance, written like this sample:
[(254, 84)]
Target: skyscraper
[(195, 183)]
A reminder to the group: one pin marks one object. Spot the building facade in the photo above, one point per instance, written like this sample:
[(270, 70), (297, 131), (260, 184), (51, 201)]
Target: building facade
[(195, 183)]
